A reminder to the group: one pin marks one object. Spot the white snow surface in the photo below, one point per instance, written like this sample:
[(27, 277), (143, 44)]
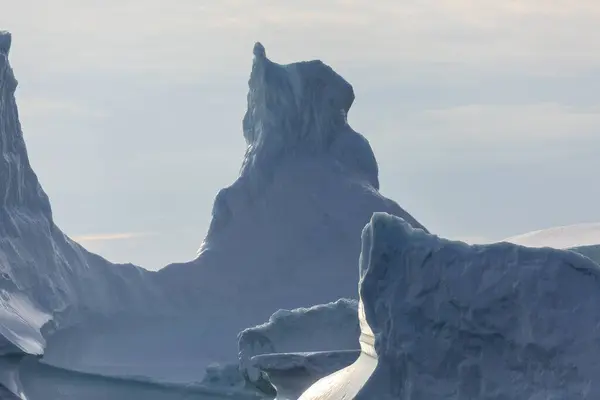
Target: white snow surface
[(453, 321), (285, 234), (561, 237)]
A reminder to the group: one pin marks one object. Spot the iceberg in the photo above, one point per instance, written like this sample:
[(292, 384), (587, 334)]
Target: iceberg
[(284, 235), (297, 347), (445, 320)]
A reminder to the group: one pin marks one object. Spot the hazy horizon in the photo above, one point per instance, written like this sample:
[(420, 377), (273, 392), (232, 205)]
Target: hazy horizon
[(484, 117)]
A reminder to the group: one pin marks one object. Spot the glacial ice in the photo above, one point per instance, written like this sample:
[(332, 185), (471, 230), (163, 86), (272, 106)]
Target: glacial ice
[(306, 343), (453, 321), (488, 322), (291, 374), (285, 234)]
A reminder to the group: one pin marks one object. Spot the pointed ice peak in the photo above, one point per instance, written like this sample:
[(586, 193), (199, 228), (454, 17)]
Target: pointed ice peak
[(5, 41), (259, 50)]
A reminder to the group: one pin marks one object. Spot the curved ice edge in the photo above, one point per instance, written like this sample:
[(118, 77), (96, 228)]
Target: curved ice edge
[(305, 360)]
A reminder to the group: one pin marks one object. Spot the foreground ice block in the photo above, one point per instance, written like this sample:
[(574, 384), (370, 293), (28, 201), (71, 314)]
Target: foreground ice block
[(445, 320)]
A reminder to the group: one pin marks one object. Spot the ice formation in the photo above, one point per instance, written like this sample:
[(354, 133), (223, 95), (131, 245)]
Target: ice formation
[(453, 321), (291, 374), (300, 340), (285, 234)]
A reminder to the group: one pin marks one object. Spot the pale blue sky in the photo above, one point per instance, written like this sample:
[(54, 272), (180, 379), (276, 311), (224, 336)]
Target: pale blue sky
[(484, 115)]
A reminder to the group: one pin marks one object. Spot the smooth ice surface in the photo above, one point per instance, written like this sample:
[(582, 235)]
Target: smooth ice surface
[(453, 321), (561, 237), (285, 234)]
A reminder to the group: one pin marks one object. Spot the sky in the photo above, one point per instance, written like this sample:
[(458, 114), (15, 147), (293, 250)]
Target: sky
[(484, 115)]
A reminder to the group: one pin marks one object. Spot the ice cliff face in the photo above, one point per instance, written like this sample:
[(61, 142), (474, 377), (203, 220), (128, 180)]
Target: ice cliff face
[(45, 275), (452, 321), (20, 186)]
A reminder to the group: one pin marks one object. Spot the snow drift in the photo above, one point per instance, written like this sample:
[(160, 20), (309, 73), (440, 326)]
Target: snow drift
[(285, 234), (453, 321), (561, 237)]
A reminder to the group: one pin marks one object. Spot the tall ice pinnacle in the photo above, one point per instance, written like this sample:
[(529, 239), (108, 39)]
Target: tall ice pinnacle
[(19, 186), (5, 41), (286, 233)]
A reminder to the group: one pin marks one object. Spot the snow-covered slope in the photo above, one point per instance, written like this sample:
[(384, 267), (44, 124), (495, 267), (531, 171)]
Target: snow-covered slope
[(45, 275), (561, 237), (286, 234), (581, 238), (453, 321)]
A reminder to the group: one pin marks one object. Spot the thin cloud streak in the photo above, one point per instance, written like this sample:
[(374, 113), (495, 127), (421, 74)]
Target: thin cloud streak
[(31, 107), (100, 237)]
